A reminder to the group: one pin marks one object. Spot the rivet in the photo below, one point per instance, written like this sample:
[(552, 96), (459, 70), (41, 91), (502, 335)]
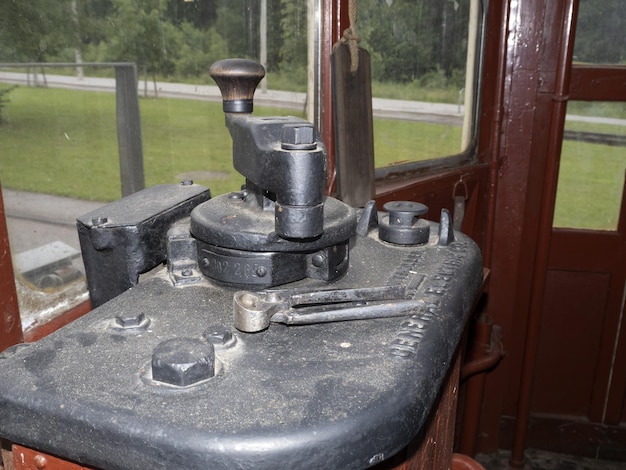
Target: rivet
[(318, 260), (40, 461)]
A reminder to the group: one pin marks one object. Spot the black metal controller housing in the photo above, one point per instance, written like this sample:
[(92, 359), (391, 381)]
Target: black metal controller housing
[(277, 327)]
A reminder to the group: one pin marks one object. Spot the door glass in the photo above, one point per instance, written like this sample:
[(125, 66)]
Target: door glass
[(600, 37), (593, 161)]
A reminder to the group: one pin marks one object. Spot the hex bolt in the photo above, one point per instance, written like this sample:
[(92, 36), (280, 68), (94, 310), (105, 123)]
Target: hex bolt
[(219, 336), (186, 183), (298, 137), (186, 272), (129, 321), (183, 361)]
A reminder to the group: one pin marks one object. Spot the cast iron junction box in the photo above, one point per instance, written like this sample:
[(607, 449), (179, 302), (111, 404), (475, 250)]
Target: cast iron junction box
[(218, 359)]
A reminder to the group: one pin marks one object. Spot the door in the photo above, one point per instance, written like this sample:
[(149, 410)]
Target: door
[(580, 374)]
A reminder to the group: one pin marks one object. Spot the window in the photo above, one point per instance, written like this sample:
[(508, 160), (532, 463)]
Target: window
[(58, 126), (593, 160), (424, 71)]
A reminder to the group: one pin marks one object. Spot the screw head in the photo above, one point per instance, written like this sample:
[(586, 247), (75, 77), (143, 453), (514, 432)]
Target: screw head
[(298, 137), (183, 361), (131, 320), (219, 335)]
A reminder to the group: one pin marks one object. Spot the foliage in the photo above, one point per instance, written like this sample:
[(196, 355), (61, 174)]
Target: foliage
[(138, 32), (600, 36), (293, 50), (34, 30), (411, 38), (198, 50), (412, 41), (4, 98)]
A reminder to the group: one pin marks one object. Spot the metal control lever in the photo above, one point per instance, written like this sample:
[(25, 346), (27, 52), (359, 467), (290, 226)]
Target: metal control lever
[(254, 311)]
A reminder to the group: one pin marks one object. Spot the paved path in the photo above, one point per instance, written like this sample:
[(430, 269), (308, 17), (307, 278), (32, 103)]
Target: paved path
[(386, 108), (34, 220)]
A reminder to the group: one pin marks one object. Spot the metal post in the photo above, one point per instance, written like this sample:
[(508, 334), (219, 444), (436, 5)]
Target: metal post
[(129, 129)]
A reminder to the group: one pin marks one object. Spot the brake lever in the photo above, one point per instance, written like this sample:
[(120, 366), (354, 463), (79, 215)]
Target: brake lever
[(254, 311)]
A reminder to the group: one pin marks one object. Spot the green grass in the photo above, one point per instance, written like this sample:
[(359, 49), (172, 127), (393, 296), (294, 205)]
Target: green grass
[(591, 178), (402, 141), (64, 142)]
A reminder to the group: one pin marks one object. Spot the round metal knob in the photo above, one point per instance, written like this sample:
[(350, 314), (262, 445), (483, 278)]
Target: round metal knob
[(404, 212), (402, 225), (237, 79)]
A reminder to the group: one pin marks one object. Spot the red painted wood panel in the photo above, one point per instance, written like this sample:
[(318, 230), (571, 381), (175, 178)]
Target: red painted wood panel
[(570, 339), (10, 323)]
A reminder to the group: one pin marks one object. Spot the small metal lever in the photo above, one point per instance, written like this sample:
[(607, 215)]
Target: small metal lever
[(254, 311)]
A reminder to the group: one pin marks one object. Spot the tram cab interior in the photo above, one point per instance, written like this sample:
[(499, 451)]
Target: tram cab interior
[(542, 362)]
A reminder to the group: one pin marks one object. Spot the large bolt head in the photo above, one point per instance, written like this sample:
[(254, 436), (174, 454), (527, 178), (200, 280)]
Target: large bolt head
[(299, 136), (183, 361)]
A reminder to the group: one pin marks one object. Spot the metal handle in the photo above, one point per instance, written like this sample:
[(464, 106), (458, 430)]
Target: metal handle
[(254, 311)]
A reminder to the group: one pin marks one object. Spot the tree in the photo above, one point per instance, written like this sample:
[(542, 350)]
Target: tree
[(201, 14), (293, 49), (35, 30), (199, 49), (412, 38), (139, 33), (600, 36)]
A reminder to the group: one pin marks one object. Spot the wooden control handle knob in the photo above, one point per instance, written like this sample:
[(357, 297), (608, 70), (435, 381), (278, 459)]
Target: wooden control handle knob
[(237, 80)]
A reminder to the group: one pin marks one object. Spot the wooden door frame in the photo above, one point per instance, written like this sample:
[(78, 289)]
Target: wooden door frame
[(522, 151), (514, 133)]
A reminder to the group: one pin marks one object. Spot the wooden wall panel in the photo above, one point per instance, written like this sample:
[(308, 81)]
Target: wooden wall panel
[(569, 345)]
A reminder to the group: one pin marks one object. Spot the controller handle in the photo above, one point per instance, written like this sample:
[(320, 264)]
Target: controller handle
[(237, 79)]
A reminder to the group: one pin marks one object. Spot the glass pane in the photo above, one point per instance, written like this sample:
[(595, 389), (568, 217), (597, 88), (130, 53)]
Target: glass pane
[(59, 149), (423, 82), (593, 162), (600, 37)]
